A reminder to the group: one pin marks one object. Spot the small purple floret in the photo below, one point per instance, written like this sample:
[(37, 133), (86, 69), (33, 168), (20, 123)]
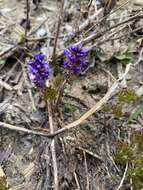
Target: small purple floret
[(39, 70), (76, 59)]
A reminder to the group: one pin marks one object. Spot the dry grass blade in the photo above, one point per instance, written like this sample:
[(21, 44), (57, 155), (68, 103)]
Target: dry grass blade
[(123, 178), (58, 29)]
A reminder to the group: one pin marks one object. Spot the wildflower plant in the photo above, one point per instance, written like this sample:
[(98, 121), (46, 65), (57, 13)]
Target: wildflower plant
[(40, 71), (52, 87)]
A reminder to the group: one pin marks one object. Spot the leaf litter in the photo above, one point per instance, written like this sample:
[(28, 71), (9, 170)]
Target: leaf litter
[(26, 159)]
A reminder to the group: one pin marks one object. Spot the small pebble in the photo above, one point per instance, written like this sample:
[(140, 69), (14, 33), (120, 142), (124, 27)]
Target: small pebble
[(41, 32)]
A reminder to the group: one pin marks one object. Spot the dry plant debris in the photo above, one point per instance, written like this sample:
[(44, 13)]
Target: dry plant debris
[(89, 133)]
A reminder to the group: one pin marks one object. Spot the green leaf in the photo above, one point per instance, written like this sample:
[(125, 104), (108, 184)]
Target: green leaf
[(124, 56), (21, 38), (97, 53), (136, 113), (50, 93), (70, 108)]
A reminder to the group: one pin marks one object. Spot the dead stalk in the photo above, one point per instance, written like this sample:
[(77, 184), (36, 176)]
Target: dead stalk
[(27, 17), (53, 149), (123, 178), (58, 30), (86, 170)]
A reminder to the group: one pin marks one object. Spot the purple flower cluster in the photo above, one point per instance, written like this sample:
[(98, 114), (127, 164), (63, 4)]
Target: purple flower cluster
[(39, 70), (76, 59)]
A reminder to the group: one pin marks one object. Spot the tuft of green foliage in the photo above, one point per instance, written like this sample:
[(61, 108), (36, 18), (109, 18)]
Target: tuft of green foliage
[(136, 174), (116, 110), (133, 154), (128, 95), (69, 108), (50, 93), (124, 56), (59, 79), (106, 108), (124, 153)]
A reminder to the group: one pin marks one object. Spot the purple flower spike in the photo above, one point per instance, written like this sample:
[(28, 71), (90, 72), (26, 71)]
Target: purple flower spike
[(39, 70), (76, 58)]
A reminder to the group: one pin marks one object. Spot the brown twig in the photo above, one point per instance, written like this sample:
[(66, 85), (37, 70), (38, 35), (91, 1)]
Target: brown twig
[(90, 20), (106, 16), (5, 85), (102, 33), (91, 153), (58, 30), (86, 170), (76, 180), (40, 38), (37, 27), (87, 22), (27, 18), (53, 149), (118, 37), (10, 49)]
